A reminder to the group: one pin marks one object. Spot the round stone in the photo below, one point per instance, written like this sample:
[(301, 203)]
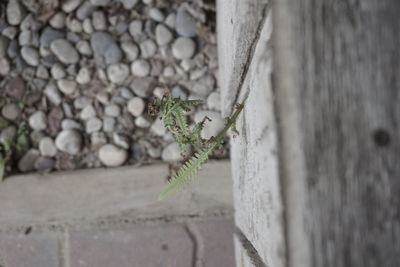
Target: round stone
[(99, 21), (203, 86), (158, 127), (163, 35), (100, 2), (136, 28), (93, 125), (64, 51), (179, 92), (148, 48), (118, 73), (185, 24), (11, 112), (8, 133), (172, 153), (131, 50), (82, 102), (84, 48), (112, 110), (58, 20), (112, 156), (4, 66), (49, 35), (30, 55), (57, 71), (183, 48), (129, 4), (214, 101), (168, 71), (108, 124), (67, 87), (69, 124), (140, 68), (142, 122), (136, 106), (88, 112), (15, 12), (53, 94), (26, 163), (42, 73), (83, 76), (120, 140), (44, 164), (38, 121), (47, 147), (156, 14), (70, 5), (69, 141)]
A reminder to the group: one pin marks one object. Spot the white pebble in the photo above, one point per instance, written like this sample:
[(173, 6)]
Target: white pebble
[(38, 121), (67, 87), (148, 48), (112, 156), (118, 73), (47, 147), (131, 50), (183, 48), (83, 76), (136, 106), (140, 68)]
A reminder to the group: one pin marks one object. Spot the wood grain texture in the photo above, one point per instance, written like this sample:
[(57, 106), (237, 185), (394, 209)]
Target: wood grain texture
[(239, 26), (255, 168), (337, 87)]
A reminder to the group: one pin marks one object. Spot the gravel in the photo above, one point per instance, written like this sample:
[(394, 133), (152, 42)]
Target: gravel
[(185, 24), (15, 12), (136, 106), (148, 48), (172, 153), (64, 51), (67, 87), (38, 121), (69, 141), (118, 73), (183, 48), (112, 156), (140, 68), (30, 55), (163, 35), (82, 75), (47, 147), (11, 112)]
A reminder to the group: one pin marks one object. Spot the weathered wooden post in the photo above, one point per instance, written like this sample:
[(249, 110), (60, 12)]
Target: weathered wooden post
[(317, 168)]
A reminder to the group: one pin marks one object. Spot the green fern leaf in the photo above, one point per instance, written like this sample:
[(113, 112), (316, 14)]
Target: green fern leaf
[(187, 171)]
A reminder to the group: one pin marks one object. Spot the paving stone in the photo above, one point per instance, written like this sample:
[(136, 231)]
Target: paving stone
[(34, 250), (141, 246), (215, 242)]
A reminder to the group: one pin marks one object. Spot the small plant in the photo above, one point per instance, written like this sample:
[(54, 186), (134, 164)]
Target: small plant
[(172, 112), (8, 146)]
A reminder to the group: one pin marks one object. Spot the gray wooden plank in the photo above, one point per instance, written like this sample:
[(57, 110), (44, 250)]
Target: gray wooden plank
[(337, 88)]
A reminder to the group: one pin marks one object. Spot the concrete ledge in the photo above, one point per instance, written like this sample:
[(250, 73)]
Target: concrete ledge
[(97, 193)]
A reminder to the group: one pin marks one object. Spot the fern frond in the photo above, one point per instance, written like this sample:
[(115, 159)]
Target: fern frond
[(186, 172), (180, 119)]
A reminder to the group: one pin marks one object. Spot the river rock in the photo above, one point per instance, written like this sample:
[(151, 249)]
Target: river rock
[(112, 156), (69, 141)]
